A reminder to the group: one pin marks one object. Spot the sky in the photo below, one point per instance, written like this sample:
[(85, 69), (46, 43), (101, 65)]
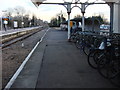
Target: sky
[(46, 12)]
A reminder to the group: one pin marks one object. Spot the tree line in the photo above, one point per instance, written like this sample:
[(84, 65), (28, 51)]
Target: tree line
[(21, 16), (56, 21)]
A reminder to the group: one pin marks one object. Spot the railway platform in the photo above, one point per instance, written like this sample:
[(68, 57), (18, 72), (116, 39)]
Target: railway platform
[(57, 63), (13, 31)]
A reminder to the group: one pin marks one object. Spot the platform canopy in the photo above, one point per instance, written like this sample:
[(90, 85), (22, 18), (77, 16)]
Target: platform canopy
[(111, 0)]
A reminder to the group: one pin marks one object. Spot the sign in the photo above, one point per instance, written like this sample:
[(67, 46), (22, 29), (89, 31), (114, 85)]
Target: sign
[(71, 23), (5, 19), (22, 23), (15, 24), (5, 22)]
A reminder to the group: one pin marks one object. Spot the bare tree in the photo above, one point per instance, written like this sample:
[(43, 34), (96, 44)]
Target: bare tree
[(20, 10), (26, 20), (9, 12), (78, 16)]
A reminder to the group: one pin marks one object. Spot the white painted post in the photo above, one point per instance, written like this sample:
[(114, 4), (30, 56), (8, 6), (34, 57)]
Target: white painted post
[(83, 18), (83, 22), (68, 26), (69, 11)]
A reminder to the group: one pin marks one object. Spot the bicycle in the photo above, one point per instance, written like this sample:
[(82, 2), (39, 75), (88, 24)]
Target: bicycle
[(109, 66), (96, 54)]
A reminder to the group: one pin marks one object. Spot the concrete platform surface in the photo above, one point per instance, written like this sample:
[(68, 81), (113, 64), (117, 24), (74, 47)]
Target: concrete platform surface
[(57, 63)]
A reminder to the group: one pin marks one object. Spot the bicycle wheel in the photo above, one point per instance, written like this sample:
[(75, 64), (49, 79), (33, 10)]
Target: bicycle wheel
[(93, 58), (77, 44), (86, 50), (72, 38), (108, 68), (116, 80)]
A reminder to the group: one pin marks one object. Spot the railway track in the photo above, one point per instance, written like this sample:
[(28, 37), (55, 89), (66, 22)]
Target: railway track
[(13, 53), (15, 37)]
